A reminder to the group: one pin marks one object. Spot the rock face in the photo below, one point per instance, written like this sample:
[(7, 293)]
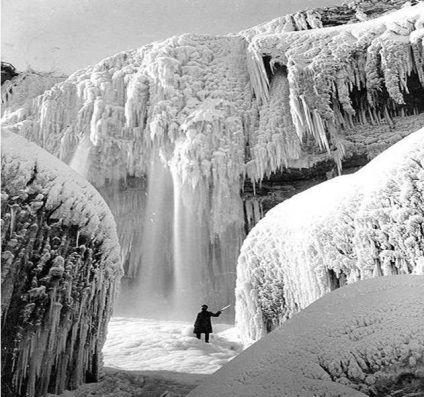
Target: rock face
[(365, 339), (197, 116), (8, 72), (350, 228), (60, 267)]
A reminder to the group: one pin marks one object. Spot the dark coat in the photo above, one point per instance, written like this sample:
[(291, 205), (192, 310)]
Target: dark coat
[(203, 322)]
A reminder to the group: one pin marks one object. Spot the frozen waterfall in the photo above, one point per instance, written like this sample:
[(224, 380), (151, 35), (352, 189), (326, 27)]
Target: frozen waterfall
[(180, 266), (168, 132)]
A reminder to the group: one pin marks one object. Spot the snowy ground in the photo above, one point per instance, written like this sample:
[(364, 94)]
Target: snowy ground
[(155, 345), (145, 357)]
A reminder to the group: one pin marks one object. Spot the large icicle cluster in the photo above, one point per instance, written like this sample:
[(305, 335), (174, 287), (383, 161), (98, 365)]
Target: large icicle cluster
[(60, 266), (275, 141), (349, 228), (345, 75), (188, 96), (366, 339)]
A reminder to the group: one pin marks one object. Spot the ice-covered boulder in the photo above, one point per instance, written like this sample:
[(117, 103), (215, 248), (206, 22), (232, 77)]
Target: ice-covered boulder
[(349, 228), (366, 339), (59, 268)]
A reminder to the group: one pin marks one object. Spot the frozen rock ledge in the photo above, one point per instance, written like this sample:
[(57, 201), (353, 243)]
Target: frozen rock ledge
[(365, 339), (60, 265)]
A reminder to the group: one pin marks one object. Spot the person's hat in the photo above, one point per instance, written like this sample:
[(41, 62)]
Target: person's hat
[(204, 306)]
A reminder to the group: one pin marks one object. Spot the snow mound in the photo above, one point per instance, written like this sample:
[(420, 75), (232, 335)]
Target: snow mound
[(364, 339), (349, 228)]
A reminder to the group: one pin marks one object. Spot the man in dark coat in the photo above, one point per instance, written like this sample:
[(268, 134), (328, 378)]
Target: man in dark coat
[(203, 323)]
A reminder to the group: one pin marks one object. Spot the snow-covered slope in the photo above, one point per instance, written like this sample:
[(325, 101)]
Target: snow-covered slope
[(360, 340), (59, 272), (349, 228)]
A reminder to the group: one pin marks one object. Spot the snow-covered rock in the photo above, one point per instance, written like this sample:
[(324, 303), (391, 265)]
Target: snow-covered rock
[(19, 92), (59, 272), (360, 340), (349, 228)]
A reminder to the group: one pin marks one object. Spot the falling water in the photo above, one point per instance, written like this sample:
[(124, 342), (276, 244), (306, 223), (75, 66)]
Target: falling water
[(173, 280), (79, 161), (155, 275), (181, 266), (191, 248)]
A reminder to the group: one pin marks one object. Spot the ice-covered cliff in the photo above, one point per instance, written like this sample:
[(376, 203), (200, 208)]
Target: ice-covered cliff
[(169, 132), (349, 228), (60, 269), (366, 339), (18, 89)]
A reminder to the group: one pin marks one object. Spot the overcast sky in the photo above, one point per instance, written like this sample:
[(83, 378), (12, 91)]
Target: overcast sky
[(66, 35)]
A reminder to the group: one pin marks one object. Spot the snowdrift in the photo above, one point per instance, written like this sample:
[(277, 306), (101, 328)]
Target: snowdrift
[(363, 339)]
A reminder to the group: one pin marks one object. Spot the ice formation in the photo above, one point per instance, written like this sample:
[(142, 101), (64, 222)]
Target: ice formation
[(60, 268), (17, 93), (366, 339), (340, 76), (191, 117), (349, 228)]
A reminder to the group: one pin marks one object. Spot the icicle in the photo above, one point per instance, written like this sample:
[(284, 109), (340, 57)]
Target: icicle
[(417, 45), (43, 328), (258, 76)]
